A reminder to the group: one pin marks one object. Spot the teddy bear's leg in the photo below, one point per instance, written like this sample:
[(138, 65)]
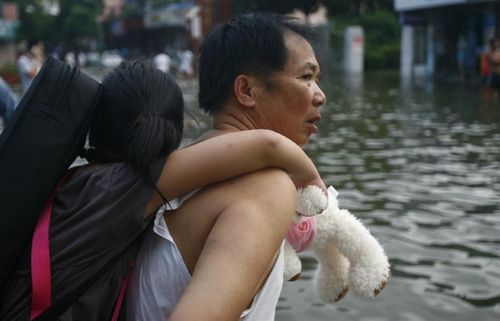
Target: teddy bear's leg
[(293, 265), (369, 266), (331, 276)]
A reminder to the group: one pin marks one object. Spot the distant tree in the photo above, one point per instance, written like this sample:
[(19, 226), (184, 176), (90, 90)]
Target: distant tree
[(35, 21), (79, 22), (75, 19)]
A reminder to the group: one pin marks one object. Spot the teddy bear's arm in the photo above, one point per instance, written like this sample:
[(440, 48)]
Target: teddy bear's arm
[(369, 266)]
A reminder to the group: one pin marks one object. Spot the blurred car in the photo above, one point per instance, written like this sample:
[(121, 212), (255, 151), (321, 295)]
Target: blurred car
[(111, 58)]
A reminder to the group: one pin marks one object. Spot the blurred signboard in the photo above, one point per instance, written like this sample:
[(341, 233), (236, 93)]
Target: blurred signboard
[(404, 5), (8, 29), (173, 15)]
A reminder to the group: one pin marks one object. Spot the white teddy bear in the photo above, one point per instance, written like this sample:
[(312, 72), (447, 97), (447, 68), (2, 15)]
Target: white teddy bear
[(349, 256)]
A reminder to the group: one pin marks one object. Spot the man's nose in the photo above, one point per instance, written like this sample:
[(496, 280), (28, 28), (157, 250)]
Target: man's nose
[(319, 98)]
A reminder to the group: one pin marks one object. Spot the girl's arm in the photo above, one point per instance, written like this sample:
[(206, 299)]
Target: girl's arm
[(230, 155)]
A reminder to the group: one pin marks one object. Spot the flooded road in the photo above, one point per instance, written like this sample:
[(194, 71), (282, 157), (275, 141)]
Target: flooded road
[(419, 164)]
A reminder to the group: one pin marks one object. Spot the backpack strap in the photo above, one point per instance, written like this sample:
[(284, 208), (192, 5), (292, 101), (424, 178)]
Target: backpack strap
[(40, 263), (119, 301), (41, 276)]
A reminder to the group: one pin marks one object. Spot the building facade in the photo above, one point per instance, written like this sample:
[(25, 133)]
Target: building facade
[(446, 38), (158, 25), (8, 24)]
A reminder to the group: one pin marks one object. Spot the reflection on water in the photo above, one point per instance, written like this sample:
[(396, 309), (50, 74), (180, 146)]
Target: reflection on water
[(420, 165)]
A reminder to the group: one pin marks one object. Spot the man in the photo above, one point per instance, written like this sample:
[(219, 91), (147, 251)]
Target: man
[(256, 72)]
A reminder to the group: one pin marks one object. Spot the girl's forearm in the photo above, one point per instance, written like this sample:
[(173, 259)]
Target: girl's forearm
[(231, 155), (288, 156)]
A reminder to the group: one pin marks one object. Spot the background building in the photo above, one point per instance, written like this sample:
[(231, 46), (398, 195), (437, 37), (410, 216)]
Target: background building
[(156, 25), (8, 24), (446, 38)]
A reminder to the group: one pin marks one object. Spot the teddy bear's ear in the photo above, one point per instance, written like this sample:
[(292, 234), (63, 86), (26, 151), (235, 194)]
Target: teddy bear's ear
[(311, 201)]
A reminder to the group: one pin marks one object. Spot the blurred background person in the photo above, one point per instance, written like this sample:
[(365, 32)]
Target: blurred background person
[(30, 62), (494, 64), (26, 69), (162, 62), (38, 53), (186, 63), (461, 48)]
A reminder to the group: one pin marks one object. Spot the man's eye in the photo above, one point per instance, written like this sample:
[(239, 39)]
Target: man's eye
[(307, 77)]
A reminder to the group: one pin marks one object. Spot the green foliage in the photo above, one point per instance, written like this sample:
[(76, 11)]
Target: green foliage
[(382, 37), (79, 23), (383, 56), (35, 22), (76, 20), (382, 26)]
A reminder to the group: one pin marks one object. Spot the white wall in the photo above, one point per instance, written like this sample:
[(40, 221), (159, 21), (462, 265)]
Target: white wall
[(407, 51)]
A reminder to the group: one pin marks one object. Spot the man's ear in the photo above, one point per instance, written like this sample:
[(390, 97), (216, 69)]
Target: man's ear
[(245, 90)]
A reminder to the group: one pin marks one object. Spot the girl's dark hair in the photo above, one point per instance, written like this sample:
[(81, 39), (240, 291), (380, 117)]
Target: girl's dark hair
[(139, 117)]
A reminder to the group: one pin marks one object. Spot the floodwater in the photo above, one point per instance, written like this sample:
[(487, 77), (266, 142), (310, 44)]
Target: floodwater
[(419, 164)]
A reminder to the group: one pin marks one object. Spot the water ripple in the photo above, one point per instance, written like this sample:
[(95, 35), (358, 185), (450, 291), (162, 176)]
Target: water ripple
[(423, 173), (421, 168)]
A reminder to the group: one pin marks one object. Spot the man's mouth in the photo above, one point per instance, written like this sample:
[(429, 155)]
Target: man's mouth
[(312, 122)]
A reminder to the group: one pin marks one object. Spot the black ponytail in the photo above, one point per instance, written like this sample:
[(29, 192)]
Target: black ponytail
[(139, 118), (154, 136)]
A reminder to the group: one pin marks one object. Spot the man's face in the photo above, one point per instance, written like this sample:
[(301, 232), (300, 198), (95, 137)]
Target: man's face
[(290, 106)]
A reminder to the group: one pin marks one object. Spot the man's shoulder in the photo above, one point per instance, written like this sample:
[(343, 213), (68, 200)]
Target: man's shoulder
[(270, 184)]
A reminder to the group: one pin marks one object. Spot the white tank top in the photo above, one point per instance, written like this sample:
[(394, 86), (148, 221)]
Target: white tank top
[(160, 278)]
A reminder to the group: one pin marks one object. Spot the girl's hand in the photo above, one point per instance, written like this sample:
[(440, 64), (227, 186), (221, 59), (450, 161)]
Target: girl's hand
[(316, 181)]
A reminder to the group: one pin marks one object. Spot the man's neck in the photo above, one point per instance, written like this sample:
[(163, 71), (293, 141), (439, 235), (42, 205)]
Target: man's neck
[(233, 118)]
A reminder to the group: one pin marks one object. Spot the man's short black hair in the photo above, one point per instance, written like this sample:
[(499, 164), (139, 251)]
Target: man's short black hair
[(252, 43)]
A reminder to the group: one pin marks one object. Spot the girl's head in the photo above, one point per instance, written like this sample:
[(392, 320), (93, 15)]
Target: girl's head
[(139, 117)]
